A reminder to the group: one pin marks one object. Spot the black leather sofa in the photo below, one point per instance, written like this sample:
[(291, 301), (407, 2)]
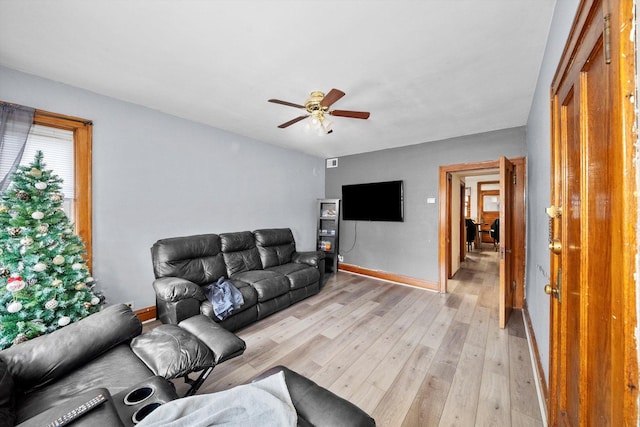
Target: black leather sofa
[(264, 265), (49, 376)]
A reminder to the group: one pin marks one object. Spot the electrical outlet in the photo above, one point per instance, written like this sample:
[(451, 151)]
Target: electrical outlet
[(130, 304), (340, 258)]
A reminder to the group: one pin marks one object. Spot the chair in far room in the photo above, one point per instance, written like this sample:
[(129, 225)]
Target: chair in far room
[(471, 232), (495, 233)]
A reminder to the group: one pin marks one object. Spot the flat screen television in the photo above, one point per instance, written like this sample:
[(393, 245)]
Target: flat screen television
[(375, 201)]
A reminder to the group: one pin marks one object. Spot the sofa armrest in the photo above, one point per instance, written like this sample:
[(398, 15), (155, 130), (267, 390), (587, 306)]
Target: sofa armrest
[(41, 360), (174, 289), (104, 414), (317, 406), (163, 391), (311, 257)]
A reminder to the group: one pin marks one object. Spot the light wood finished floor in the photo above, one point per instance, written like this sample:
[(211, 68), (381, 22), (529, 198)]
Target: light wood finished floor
[(407, 356)]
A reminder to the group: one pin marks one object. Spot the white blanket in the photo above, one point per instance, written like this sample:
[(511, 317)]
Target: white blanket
[(264, 403)]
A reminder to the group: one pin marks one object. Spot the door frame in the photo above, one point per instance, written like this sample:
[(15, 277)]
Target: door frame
[(463, 229), (444, 223), (506, 228)]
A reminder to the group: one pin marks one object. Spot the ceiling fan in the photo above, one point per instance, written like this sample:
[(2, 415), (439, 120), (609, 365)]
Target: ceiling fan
[(317, 106)]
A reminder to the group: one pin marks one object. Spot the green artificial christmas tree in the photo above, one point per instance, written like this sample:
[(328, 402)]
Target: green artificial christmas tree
[(44, 280)]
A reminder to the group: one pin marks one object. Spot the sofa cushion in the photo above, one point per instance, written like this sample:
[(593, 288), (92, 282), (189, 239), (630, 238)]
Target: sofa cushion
[(275, 245), (195, 258), (268, 284), (299, 275), (7, 408), (128, 369), (240, 252)]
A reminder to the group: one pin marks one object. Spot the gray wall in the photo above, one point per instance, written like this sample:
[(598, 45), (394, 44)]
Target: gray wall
[(538, 178), (411, 247), (157, 176)]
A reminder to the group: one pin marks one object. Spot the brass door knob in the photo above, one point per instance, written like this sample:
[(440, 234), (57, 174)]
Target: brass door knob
[(549, 290), (555, 246)]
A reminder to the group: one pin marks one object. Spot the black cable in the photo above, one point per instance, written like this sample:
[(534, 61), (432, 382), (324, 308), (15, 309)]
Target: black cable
[(355, 238)]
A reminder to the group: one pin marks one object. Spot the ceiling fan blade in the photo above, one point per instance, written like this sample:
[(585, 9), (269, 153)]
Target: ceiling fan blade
[(331, 97), (290, 122), (352, 114), (290, 104)]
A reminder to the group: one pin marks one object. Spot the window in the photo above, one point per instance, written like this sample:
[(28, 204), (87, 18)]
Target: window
[(57, 147), (50, 133), (467, 202)]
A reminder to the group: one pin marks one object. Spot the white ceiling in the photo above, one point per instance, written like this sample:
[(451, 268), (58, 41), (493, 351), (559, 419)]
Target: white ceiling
[(426, 70)]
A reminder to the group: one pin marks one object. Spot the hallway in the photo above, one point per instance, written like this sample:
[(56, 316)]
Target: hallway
[(507, 364)]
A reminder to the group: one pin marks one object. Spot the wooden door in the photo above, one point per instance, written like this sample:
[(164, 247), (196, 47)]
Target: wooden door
[(448, 226), (507, 182), (593, 365), (463, 228)]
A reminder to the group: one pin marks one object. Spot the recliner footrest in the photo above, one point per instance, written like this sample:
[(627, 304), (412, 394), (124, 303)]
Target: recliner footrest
[(225, 345), (170, 351)]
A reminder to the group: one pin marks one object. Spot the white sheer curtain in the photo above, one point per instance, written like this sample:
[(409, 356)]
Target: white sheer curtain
[(15, 122)]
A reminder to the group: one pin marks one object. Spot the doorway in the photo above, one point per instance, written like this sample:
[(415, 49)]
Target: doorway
[(512, 290), (488, 209)]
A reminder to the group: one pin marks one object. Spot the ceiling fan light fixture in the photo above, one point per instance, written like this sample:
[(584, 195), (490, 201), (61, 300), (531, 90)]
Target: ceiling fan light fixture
[(316, 119), (320, 123), (313, 123)]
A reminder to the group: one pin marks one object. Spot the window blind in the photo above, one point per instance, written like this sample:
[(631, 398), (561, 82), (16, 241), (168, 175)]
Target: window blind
[(57, 147)]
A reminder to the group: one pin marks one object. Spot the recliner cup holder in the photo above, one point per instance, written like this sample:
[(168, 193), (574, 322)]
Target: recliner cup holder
[(141, 413), (138, 395)]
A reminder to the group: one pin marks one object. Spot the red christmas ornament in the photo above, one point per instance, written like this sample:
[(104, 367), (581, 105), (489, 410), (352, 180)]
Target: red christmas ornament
[(15, 284)]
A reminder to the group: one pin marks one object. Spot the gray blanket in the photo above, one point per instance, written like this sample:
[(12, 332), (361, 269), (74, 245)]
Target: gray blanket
[(263, 403)]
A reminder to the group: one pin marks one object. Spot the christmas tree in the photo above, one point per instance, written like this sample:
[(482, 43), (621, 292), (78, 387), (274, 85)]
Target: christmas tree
[(44, 279)]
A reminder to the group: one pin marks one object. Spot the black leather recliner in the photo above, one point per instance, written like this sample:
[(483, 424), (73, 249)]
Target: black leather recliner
[(107, 350)]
